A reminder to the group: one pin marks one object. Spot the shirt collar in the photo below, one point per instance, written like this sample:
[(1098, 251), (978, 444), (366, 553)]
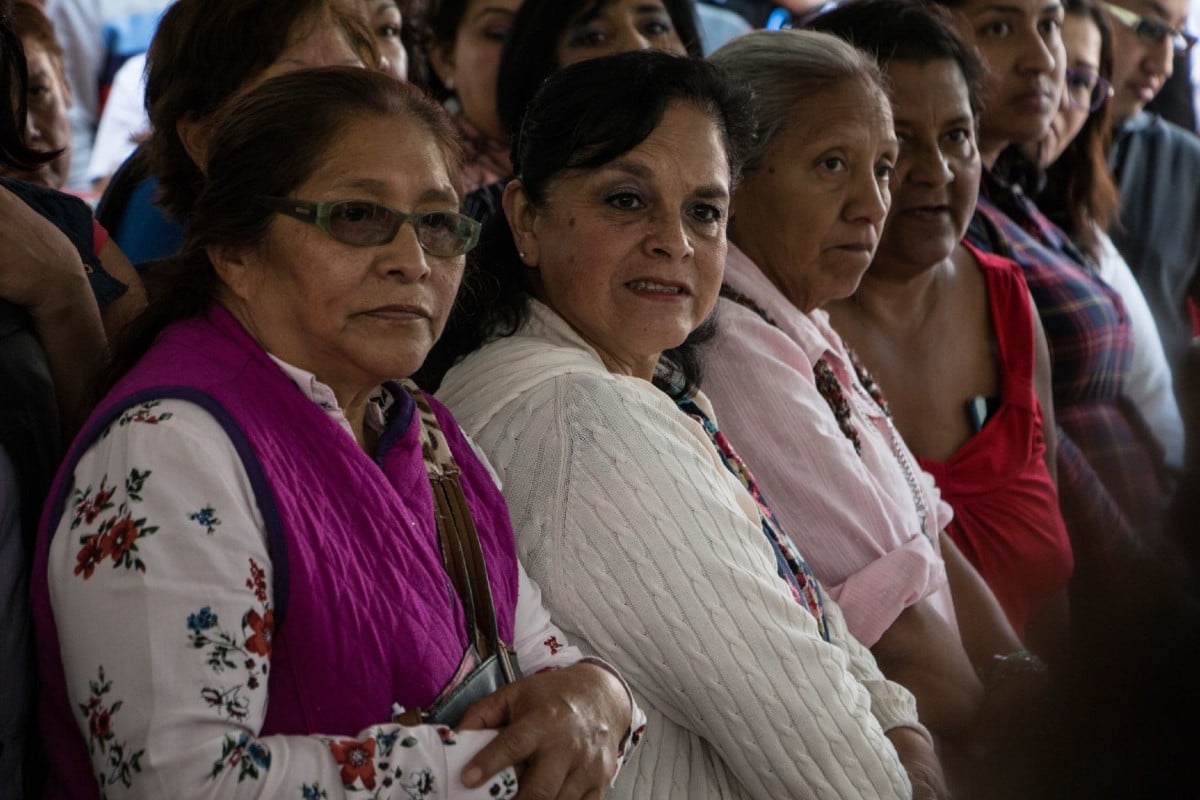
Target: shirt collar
[(374, 416), (811, 330)]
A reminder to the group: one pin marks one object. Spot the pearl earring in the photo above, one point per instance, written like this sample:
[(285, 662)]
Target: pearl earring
[(521, 253), (449, 83)]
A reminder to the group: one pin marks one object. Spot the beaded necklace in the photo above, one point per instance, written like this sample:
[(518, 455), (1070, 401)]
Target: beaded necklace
[(830, 389)]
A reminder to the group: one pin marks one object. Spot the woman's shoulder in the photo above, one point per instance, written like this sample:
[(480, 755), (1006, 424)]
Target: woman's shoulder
[(69, 214), (541, 360)]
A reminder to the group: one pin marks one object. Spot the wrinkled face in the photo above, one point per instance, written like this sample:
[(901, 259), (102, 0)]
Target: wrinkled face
[(619, 26), (384, 19), (1021, 45), (1081, 38), (1141, 66), (937, 172), (631, 254), (354, 316), (47, 126), (811, 213), (470, 68)]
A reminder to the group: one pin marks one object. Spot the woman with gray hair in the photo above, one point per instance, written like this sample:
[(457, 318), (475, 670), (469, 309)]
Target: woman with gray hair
[(805, 223)]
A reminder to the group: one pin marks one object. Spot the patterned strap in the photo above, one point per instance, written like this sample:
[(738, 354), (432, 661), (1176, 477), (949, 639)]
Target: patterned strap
[(461, 552), (791, 564)]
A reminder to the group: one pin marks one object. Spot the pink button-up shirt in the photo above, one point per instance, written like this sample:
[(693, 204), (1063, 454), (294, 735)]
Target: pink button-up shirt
[(855, 518)]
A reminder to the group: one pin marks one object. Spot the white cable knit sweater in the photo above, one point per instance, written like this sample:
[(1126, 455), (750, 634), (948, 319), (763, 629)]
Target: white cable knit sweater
[(650, 553)]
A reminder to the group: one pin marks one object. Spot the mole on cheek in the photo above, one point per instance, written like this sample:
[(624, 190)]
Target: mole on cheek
[(570, 222)]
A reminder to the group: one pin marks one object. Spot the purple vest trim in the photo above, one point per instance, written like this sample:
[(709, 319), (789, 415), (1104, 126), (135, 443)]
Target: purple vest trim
[(358, 573)]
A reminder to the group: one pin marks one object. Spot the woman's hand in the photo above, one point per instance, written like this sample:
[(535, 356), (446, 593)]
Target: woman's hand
[(920, 762), (561, 729)]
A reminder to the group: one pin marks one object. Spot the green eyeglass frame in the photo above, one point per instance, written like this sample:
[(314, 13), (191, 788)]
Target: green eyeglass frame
[(365, 223), (1151, 29)]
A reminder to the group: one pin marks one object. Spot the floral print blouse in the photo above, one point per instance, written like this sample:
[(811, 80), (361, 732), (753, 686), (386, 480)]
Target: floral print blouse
[(160, 580)]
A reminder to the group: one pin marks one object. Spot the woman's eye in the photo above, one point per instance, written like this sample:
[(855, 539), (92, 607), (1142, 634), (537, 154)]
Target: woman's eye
[(388, 31), (958, 135), (833, 164), (1049, 26), (995, 29), (708, 213), (497, 33), (588, 37), (657, 28), (883, 172), (624, 201)]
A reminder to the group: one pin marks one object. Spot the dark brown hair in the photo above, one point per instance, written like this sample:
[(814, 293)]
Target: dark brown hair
[(14, 78), (531, 50), (583, 117), (904, 30), (1079, 194), (30, 22), (268, 142), (205, 51)]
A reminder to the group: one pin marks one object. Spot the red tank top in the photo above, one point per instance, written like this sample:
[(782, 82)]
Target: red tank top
[(1006, 516)]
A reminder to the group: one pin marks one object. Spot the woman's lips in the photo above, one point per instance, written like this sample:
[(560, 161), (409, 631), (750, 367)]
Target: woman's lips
[(1144, 92), (1038, 101), (656, 287), (927, 212), (399, 312)]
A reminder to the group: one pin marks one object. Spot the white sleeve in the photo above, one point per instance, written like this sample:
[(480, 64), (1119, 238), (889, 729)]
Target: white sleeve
[(160, 581), (541, 645), (1149, 384), (643, 551), (122, 121)]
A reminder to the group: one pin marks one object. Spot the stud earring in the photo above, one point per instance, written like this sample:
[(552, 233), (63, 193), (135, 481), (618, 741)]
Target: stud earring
[(521, 253), (449, 83)]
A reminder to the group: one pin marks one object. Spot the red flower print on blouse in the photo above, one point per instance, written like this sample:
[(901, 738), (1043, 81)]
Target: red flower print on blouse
[(553, 644), (257, 582), (91, 554), (100, 724), (120, 538), (357, 760), (92, 509), (262, 627)]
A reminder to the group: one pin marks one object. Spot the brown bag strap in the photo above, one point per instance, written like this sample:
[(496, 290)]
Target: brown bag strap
[(461, 552)]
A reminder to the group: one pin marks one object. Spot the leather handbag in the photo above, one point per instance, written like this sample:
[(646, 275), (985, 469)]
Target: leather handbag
[(487, 662)]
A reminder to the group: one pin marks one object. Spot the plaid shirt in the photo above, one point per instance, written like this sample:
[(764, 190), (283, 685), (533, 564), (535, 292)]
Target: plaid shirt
[(1090, 348)]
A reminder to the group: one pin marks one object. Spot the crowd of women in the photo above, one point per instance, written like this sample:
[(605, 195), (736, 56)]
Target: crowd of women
[(589, 417)]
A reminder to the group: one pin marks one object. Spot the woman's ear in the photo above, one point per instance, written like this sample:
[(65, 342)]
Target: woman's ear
[(233, 268), (522, 219), (442, 63), (194, 136)]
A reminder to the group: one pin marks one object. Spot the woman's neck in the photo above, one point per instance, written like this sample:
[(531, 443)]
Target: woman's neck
[(990, 150), (898, 300)]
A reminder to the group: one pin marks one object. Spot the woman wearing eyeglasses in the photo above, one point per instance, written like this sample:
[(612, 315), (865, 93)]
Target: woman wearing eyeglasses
[(1155, 164), (1078, 194), (240, 587), (1111, 480)]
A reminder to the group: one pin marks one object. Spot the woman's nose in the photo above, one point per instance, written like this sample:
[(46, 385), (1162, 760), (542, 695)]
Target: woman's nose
[(669, 236)]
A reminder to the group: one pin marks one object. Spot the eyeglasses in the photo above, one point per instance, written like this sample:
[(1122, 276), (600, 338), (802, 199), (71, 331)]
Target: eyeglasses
[(1087, 90), (363, 223), (1152, 30)]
